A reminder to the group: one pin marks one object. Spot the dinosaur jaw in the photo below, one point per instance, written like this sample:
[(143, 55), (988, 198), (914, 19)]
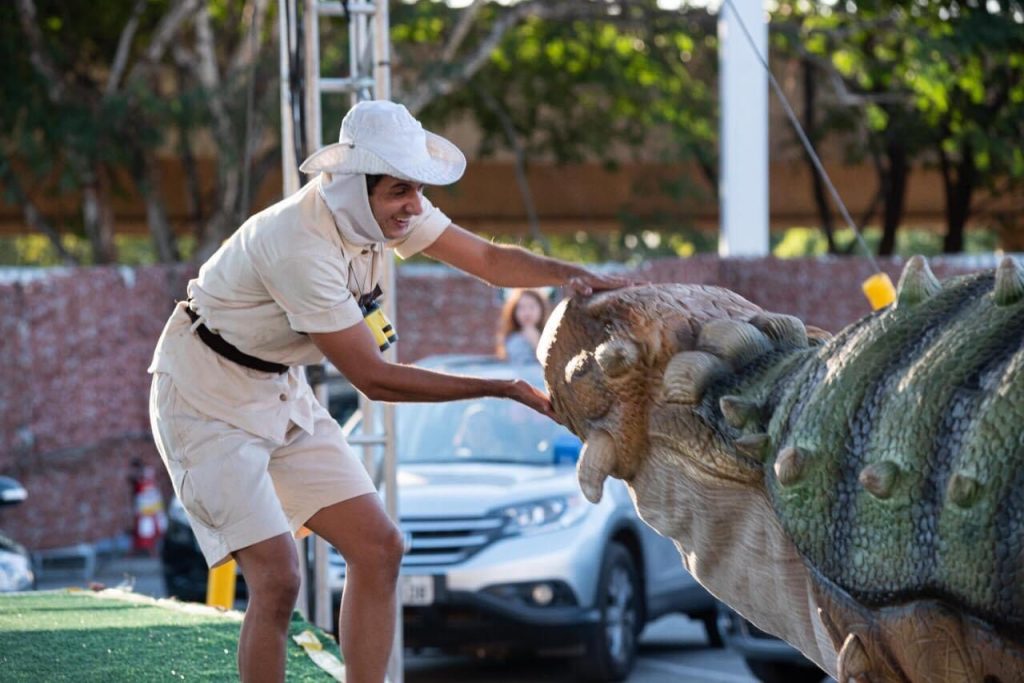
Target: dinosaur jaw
[(732, 543)]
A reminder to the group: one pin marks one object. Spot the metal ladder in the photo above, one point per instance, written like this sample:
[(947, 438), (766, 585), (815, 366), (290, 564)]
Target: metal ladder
[(369, 78)]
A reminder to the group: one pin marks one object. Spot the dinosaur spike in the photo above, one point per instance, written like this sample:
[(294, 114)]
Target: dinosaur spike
[(688, 374), (783, 330), (789, 466), (878, 478), (917, 282), (596, 462), (616, 356), (739, 412), (753, 446), (853, 660), (1009, 287), (733, 340), (963, 490)]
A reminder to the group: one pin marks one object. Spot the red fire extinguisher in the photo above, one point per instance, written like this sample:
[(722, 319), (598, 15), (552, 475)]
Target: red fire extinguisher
[(150, 518)]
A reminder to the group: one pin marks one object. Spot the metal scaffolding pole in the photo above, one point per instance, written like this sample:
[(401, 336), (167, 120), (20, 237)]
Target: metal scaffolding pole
[(369, 77)]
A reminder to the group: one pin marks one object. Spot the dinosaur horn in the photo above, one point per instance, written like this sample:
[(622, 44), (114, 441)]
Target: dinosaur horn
[(917, 282), (783, 330), (734, 341), (1009, 287), (596, 462)]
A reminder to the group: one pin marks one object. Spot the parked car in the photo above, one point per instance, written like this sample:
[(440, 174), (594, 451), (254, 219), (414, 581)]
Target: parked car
[(505, 554), (770, 659), (15, 564)]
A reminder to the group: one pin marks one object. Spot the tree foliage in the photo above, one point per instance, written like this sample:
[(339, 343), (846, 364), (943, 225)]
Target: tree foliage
[(937, 84), (96, 93)]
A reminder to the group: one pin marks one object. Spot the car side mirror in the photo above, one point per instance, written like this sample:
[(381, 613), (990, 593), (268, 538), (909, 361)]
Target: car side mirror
[(567, 449), (11, 491)]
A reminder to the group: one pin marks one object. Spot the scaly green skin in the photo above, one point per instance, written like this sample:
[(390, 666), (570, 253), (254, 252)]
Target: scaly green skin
[(884, 468), (933, 389)]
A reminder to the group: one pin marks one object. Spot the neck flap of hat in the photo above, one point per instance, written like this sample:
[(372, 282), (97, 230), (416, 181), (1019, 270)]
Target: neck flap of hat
[(345, 195)]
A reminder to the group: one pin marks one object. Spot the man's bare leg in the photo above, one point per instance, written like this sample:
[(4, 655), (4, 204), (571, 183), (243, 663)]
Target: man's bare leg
[(271, 570), (372, 547)]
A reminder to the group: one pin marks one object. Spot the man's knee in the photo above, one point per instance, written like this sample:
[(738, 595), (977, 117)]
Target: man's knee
[(275, 582), (383, 552)]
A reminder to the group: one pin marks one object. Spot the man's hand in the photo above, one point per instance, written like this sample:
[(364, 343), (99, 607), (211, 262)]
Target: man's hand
[(530, 396), (585, 285)]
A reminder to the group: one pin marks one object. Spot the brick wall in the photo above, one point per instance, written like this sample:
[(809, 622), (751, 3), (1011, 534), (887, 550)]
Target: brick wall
[(75, 346)]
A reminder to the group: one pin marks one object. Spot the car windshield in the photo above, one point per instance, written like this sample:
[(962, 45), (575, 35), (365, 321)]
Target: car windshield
[(480, 430)]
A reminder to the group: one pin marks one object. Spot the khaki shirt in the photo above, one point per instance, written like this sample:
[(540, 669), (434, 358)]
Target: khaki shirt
[(285, 272)]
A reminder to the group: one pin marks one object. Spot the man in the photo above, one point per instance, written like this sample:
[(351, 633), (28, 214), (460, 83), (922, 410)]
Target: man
[(252, 455)]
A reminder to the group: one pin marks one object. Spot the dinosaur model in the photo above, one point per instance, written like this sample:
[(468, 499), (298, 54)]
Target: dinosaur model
[(860, 496)]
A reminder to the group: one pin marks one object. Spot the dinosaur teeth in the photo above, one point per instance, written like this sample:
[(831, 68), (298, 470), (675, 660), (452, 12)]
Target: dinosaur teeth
[(853, 660), (790, 465), (739, 412), (878, 478), (1009, 288), (783, 330), (917, 283), (963, 490), (596, 462), (688, 374), (733, 340), (753, 446)]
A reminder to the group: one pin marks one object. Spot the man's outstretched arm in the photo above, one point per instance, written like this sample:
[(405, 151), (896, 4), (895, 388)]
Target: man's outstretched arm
[(511, 266)]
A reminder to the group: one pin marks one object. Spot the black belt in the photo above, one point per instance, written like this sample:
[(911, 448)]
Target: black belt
[(226, 350)]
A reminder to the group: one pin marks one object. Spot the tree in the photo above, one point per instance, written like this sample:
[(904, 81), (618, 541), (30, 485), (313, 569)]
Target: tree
[(99, 92), (937, 83), (568, 82)]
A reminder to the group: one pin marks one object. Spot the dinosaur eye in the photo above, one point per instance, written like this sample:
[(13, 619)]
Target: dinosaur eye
[(616, 356), (590, 396)]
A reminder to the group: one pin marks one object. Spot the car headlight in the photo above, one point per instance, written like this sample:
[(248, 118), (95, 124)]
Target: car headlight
[(15, 572), (547, 514)]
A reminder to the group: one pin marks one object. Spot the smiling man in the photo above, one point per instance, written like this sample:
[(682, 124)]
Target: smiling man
[(251, 454)]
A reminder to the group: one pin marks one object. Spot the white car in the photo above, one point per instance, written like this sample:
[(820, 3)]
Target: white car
[(505, 554)]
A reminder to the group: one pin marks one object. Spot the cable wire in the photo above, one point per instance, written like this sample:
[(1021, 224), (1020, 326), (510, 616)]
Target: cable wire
[(815, 160)]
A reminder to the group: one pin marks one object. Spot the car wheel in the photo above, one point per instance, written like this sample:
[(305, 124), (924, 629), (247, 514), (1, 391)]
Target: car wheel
[(714, 636), (611, 649), (785, 672)]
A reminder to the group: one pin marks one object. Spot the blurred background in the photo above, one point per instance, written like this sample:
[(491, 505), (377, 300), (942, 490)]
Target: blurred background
[(144, 131)]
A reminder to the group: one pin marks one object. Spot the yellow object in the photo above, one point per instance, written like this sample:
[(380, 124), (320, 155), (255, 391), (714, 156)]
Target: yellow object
[(220, 586), (323, 659), (383, 331), (879, 290)]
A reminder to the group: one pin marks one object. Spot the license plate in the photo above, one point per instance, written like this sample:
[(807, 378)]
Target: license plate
[(416, 590)]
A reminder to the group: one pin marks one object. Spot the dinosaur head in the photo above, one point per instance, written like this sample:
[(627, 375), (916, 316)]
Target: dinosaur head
[(618, 360)]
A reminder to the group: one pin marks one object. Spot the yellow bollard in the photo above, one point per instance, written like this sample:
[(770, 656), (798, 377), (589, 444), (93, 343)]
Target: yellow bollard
[(879, 290), (220, 586)]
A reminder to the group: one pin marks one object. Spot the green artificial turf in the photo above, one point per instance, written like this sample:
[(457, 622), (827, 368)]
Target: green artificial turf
[(73, 636)]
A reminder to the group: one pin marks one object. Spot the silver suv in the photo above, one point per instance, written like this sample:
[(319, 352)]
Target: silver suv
[(505, 554)]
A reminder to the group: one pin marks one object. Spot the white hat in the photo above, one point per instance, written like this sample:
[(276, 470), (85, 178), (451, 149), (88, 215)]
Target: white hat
[(379, 137)]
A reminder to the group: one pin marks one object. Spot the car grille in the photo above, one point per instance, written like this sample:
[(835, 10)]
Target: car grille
[(444, 540)]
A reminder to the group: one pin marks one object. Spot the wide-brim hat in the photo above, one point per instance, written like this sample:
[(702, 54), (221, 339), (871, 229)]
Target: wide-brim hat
[(379, 137)]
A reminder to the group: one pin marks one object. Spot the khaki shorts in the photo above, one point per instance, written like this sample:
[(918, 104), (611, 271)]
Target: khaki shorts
[(239, 489)]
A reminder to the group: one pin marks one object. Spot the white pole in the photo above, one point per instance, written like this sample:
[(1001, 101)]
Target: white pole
[(743, 89), (286, 37), (382, 91)]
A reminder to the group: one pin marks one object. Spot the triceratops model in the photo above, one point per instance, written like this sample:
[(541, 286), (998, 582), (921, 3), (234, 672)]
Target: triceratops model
[(861, 497)]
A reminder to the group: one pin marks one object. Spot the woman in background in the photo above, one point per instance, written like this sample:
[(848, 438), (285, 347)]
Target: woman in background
[(520, 325)]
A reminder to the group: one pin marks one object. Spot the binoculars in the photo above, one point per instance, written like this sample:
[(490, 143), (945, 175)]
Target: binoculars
[(382, 329)]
